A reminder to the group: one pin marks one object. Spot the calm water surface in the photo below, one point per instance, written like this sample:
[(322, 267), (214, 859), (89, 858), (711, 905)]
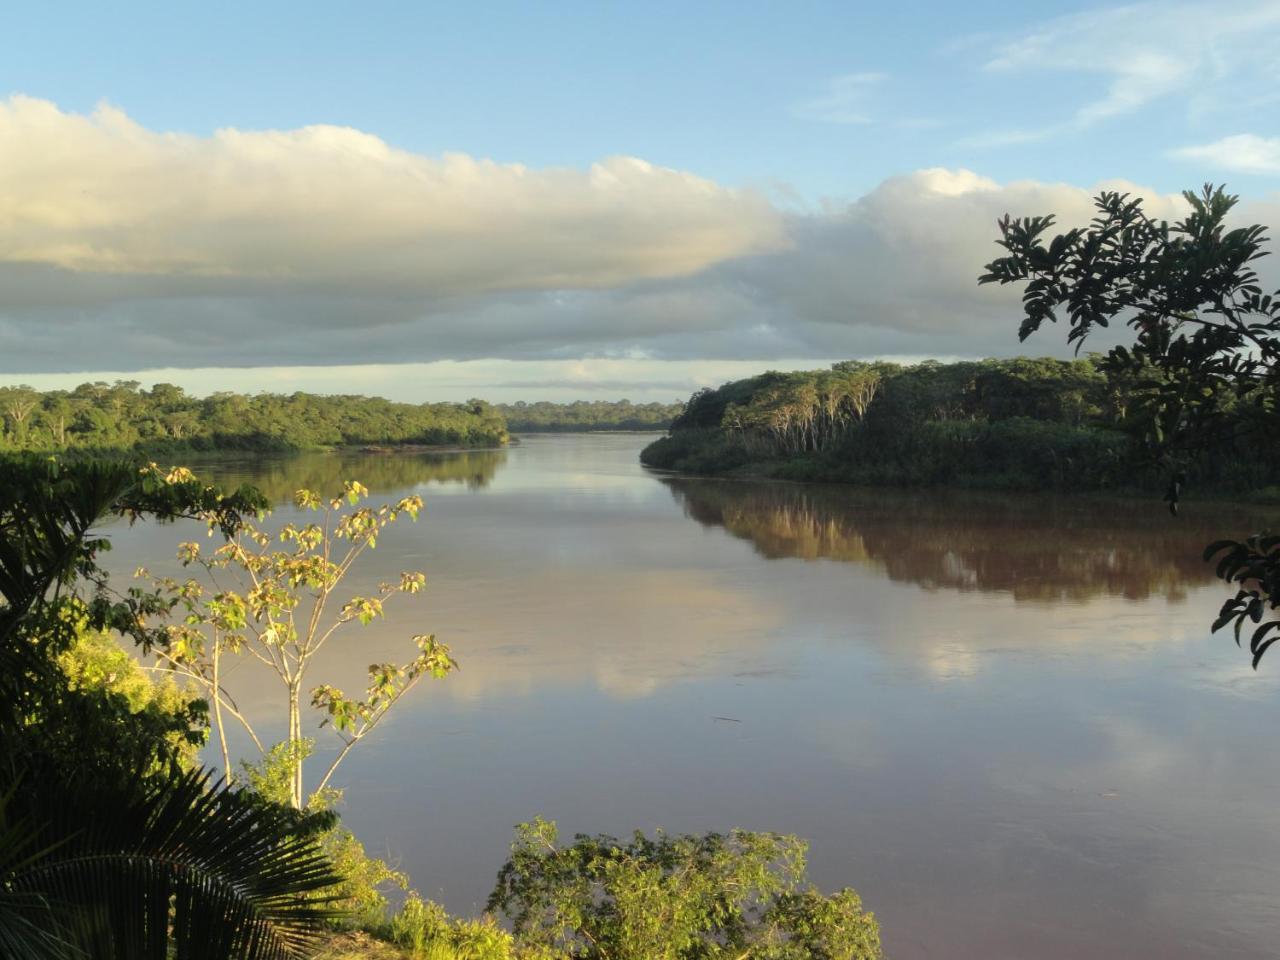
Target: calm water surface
[(1001, 719)]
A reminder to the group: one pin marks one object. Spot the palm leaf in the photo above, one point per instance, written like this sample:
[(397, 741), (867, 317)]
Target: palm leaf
[(174, 867), (30, 927)]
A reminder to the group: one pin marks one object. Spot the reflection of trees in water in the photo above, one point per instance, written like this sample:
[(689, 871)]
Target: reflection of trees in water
[(279, 476), (1049, 548)]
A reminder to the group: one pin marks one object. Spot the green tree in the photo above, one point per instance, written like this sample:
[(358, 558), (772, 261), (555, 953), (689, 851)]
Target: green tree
[(17, 404), (274, 599), (1205, 355)]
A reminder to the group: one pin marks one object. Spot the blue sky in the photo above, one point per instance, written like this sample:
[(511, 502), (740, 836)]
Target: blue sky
[(720, 89), (809, 122)]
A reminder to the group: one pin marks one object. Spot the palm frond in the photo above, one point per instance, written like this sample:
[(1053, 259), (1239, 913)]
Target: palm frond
[(175, 863), (30, 927)]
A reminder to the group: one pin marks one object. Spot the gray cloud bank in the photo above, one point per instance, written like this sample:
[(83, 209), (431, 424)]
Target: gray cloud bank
[(126, 249)]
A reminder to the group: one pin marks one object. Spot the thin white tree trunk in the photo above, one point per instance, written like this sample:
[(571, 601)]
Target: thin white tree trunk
[(217, 711)]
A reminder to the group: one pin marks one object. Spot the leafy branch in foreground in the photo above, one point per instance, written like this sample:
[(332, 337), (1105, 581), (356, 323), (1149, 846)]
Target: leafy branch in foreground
[(1205, 360), (109, 848), (274, 599), (1254, 565), (53, 591), (48, 510)]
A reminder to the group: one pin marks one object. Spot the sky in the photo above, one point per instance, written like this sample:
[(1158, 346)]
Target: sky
[(564, 201)]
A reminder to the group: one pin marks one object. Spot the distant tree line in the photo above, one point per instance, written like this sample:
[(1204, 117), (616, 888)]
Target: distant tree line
[(546, 417), (123, 416), (1006, 424)]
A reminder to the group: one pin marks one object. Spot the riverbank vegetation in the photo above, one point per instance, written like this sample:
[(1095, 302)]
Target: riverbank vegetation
[(1024, 424), (587, 415), (122, 416), (125, 417), (172, 862)]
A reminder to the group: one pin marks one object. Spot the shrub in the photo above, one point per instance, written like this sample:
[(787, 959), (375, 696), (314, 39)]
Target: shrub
[(675, 898)]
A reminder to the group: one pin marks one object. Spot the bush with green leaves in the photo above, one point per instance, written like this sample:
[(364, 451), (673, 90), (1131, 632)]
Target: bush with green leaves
[(367, 883), (427, 931), (735, 895)]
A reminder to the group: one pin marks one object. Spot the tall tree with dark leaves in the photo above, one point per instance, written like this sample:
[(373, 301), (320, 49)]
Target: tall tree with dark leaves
[(1204, 359)]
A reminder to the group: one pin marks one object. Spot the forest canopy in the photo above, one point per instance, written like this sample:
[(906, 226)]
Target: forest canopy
[(1020, 423), (123, 416)]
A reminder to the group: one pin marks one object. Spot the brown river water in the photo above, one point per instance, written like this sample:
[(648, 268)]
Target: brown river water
[(1002, 719)]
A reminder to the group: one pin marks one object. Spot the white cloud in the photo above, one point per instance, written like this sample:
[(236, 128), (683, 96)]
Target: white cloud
[(1242, 153), (1202, 52), (338, 208), (325, 247), (897, 269), (845, 100)]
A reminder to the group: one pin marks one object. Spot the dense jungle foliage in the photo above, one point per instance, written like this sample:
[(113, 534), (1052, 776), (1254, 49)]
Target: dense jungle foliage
[(545, 417), (1030, 424), (122, 417)]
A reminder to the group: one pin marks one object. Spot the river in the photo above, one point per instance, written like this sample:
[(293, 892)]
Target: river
[(1001, 719)]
